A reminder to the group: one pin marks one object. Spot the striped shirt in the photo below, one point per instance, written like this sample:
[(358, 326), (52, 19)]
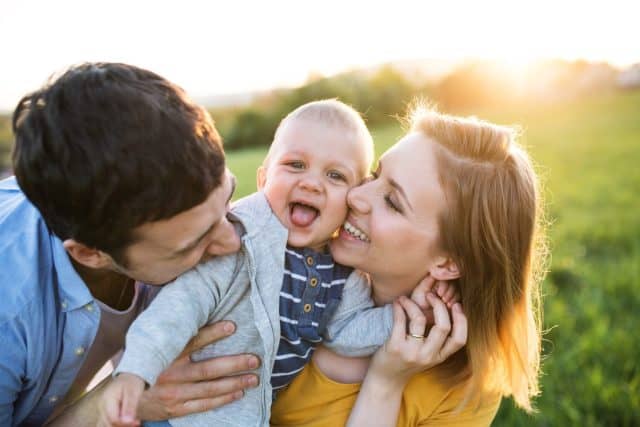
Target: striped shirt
[(311, 291)]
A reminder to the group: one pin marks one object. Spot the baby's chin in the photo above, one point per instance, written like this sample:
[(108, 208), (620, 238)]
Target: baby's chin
[(298, 241)]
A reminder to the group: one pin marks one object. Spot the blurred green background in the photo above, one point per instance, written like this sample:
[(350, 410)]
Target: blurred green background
[(582, 128)]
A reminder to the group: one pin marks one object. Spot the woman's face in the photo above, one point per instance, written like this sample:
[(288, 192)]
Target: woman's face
[(392, 227)]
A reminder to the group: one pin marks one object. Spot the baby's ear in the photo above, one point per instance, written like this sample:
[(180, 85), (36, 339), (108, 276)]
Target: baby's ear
[(261, 177), (445, 269)]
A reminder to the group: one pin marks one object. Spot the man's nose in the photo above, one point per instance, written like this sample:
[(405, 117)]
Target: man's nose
[(226, 240)]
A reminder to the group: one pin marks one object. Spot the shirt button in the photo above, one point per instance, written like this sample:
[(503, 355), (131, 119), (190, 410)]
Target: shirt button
[(53, 399), (313, 282), (309, 260), (63, 304), (307, 308), (89, 307), (79, 351)]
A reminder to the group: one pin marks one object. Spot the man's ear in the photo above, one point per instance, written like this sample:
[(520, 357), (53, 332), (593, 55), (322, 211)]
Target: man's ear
[(444, 269), (261, 177), (89, 257)]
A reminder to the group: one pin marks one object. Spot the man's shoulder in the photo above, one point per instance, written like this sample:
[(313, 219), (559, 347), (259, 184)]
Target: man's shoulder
[(25, 250)]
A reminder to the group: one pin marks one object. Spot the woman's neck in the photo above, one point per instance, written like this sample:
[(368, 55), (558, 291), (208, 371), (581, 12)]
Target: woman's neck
[(385, 290)]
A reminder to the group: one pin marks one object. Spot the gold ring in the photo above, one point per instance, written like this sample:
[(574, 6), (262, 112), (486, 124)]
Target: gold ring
[(419, 337)]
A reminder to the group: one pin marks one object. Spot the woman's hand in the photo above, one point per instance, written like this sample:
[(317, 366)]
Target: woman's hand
[(447, 291), (408, 351)]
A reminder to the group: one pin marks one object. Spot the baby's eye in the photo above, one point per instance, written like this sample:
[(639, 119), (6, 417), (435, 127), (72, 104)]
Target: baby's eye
[(296, 164), (337, 176)]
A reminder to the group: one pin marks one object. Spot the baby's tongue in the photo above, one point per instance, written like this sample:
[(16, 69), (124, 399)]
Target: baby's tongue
[(302, 216)]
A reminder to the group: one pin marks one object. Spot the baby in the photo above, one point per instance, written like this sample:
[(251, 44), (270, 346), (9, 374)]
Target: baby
[(282, 289)]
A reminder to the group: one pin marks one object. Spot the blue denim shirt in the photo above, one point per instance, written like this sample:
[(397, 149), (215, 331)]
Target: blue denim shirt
[(48, 317)]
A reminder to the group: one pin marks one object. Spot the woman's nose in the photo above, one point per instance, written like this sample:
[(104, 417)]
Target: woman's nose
[(357, 199)]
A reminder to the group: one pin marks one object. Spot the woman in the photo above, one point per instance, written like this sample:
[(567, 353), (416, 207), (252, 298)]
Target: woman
[(455, 199)]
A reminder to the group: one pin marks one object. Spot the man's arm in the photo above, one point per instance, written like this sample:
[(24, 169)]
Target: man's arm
[(183, 388), (12, 362)]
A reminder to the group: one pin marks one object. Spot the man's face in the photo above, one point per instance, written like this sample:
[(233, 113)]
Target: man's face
[(167, 248)]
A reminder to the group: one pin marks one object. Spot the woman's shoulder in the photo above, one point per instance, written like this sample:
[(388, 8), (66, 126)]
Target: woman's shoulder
[(426, 399)]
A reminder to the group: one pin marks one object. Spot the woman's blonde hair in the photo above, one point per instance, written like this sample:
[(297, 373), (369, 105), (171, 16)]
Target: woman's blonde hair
[(492, 229)]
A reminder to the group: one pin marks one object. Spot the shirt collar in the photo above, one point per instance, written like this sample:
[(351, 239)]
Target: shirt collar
[(73, 291)]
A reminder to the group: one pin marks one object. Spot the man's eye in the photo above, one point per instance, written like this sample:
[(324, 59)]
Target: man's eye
[(337, 176)]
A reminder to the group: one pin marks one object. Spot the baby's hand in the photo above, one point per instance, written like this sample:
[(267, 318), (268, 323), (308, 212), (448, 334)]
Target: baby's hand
[(120, 401), (446, 290)]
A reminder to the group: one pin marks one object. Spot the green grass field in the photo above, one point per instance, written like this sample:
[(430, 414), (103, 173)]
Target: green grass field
[(587, 153)]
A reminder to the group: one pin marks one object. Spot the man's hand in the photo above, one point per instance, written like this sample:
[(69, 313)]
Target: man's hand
[(183, 388), (186, 387)]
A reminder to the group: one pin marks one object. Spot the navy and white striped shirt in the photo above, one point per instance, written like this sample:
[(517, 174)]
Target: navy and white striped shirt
[(311, 291)]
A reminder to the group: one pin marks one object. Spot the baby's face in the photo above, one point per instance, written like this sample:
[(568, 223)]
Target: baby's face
[(310, 169)]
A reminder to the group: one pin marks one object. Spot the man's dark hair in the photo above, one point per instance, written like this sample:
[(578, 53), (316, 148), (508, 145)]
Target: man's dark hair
[(106, 147)]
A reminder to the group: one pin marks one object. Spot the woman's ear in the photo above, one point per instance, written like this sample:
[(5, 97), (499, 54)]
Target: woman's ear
[(261, 177), (89, 257), (445, 269)]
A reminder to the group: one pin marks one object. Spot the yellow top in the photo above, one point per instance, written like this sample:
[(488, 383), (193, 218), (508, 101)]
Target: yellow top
[(314, 400)]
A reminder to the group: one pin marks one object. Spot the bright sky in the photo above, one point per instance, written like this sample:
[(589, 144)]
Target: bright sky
[(216, 47)]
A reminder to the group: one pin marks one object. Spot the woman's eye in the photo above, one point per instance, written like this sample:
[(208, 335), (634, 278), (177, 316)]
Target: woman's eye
[(391, 204), (337, 176)]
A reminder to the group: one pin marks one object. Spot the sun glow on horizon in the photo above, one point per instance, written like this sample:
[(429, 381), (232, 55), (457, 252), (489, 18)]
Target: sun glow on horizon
[(217, 48)]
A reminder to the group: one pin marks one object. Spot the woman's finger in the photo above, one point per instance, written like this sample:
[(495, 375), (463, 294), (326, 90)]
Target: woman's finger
[(459, 331), (439, 331), (417, 319), (399, 329), (420, 291)]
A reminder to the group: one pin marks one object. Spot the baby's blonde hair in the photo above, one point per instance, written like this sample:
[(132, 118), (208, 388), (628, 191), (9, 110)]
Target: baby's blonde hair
[(334, 113)]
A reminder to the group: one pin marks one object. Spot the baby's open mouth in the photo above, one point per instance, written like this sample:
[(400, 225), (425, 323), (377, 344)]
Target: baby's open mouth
[(302, 215)]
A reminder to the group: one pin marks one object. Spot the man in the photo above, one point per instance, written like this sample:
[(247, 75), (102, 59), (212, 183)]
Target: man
[(120, 179)]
